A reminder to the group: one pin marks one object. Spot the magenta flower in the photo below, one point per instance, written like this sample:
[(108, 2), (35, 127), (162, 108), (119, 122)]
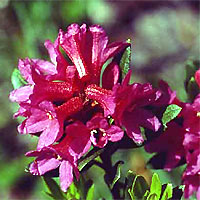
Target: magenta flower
[(88, 49), (60, 85), (102, 132), (171, 143), (61, 97), (191, 176), (166, 96), (130, 109), (63, 155), (42, 119), (191, 125)]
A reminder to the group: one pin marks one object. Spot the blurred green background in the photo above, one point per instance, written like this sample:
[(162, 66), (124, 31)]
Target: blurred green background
[(164, 35)]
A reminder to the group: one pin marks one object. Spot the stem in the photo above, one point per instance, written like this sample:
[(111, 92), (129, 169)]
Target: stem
[(107, 166)]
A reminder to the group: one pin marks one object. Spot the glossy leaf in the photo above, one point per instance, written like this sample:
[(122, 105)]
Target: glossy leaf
[(167, 194), (130, 178), (54, 188), (17, 79), (72, 192), (90, 193), (146, 195), (156, 186), (170, 113), (125, 60), (139, 187), (128, 184), (152, 197)]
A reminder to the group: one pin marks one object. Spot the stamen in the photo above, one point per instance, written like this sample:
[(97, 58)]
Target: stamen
[(94, 103), (198, 114), (59, 157), (94, 131), (103, 132), (50, 116)]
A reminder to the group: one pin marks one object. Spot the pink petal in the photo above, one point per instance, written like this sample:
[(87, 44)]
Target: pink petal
[(79, 139), (51, 134), (99, 43), (52, 50), (24, 66), (110, 76), (45, 67), (21, 94), (113, 49), (71, 42), (40, 66), (57, 59), (41, 166), (45, 161), (65, 175), (115, 133), (127, 78), (38, 121)]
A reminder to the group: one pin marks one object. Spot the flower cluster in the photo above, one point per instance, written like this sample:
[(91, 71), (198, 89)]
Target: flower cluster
[(180, 142), (69, 106)]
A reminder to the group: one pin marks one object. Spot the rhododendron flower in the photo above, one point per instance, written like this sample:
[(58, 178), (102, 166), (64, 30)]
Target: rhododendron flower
[(191, 125), (191, 176), (68, 106), (166, 96), (130, 109), (102, 132), (42, 119), (182, 142), (171, 143), (59, 83), (63, 155), (59, 97), (88, 49)]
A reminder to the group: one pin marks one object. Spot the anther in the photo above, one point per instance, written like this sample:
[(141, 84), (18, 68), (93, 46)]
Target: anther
[(50, 116)]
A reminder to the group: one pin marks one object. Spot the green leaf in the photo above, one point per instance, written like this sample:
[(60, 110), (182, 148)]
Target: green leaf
[(146, 195), (117, 175), (152, 197), (72, 192), (139, 187), (17, 79), (54, 188), (90, 193), (167, 194), (170, 113), (156, 186), (86, 160), (125, 60), (191, 67), (192, 88), (131, 194), (130, 177)]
